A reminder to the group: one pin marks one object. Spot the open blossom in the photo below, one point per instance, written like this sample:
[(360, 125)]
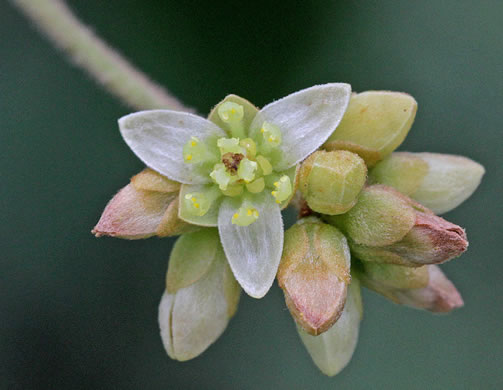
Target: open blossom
[(237, 168)]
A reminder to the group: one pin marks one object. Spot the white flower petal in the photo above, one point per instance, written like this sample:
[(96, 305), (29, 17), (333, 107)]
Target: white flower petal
[(306, 119), (331, 351), (157, 137), (253, 251)]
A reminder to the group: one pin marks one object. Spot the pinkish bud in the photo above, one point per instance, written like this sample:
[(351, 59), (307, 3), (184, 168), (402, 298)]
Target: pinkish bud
[(439, 295), (432, 240), (314, 274), (133, 213)]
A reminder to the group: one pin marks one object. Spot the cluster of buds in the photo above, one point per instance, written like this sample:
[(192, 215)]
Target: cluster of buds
[(367, 214)]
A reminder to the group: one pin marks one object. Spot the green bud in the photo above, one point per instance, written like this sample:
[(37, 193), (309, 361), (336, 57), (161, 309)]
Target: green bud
[(200, 298), (431, 240), (331, 181), (332, 350), (381, 217), (314, 274), (401, 170), (374, 125)]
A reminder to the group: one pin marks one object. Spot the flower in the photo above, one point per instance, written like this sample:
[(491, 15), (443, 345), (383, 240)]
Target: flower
[(238, 167), (364, 216)]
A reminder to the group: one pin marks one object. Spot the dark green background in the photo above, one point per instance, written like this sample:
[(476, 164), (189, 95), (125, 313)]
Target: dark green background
[(81, 313)]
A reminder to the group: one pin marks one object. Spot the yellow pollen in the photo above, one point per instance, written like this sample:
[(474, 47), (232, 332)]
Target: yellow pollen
[(276, 184), (271, 139), (278, 202), (233, 111), (196, 205), (235, 215), (262, 130), (193, 143), (273, 193), (189, 157), (249, 212), (255, 214)]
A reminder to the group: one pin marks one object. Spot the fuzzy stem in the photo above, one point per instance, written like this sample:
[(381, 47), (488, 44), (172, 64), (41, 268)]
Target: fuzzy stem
[(90, 53)]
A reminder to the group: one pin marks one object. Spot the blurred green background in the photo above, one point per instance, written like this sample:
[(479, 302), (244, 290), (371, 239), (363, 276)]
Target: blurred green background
[(81, 313)]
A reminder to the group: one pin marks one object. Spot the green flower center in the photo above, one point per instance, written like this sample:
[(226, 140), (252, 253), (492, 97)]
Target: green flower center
[(243, 166)]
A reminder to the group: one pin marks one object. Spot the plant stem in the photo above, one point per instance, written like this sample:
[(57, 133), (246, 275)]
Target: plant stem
[(93, 55)]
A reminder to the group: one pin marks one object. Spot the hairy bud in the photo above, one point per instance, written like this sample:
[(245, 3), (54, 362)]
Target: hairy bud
[(432, 240)]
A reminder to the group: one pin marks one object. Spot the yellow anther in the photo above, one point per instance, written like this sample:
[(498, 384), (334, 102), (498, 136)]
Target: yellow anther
[(196, 205), (189, 157), (245, 216), (193, 143), (276, 184), (271, 139), (262, 130), (278, 202), (273, 193)]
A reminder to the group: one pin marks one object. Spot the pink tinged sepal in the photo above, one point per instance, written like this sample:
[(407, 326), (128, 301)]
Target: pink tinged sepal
[(133, 214), (314, 274), (332, 350), (438, 294)]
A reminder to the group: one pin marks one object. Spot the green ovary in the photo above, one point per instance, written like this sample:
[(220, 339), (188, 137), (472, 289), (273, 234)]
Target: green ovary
[(242, 167)]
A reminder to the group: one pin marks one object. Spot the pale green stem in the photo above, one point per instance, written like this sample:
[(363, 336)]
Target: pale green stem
[(90, 53)]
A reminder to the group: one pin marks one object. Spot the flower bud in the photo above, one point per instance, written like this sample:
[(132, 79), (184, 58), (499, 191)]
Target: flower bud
[(449, 182), (331, 181), (401, 170), (381, 217), (201, 295), (438, 181), (314, 274), (332, 350), (404, 285), (148, 206), (439, 296), (133, 213), (374, 124), (431, 240)]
